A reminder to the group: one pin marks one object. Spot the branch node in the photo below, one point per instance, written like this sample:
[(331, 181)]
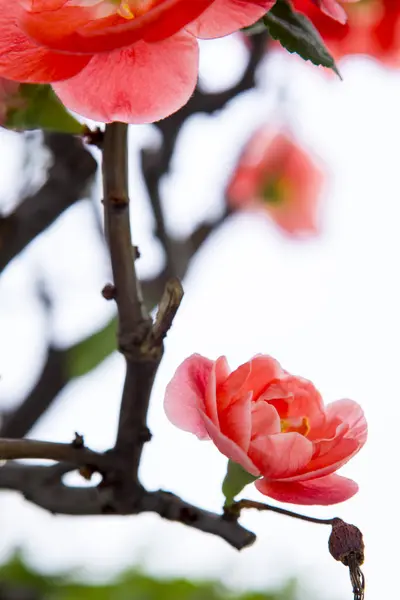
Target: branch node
[(78, 441), (118, 200), (109, 291), (93, 137)]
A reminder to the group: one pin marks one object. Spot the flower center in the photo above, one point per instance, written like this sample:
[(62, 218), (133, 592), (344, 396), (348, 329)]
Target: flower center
[(127, 9), (276, 190), (299, 425)]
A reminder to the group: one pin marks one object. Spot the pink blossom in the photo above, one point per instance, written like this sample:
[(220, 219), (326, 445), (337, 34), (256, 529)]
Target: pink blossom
[(116, 60), (275, 175), (273, 424)]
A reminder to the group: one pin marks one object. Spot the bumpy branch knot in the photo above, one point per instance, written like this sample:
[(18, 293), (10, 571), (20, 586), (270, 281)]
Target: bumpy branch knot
[(346, 544)]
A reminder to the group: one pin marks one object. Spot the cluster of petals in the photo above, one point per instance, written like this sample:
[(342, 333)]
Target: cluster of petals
[(119, 60), (273, 424), (372, 28), (116, 60), (276, 175)]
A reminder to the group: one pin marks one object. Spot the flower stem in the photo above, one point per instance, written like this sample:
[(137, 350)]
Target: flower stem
[(237, 507)]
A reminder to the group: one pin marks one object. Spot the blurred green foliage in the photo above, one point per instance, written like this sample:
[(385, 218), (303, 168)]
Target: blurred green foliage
[(90, 352), (18, 581)]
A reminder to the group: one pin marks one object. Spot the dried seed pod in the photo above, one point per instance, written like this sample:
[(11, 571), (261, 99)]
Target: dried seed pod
[(346, 544)]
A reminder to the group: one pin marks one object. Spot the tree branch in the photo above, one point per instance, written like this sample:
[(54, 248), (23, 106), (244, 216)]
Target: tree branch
[(42, 486), (131, 310), (69, 177), (74, 453), (134, 335)]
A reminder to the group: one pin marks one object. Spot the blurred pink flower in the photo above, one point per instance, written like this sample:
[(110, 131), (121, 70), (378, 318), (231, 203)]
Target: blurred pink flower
[(333, 8), (372, 28), (276, 175), (273, 424)]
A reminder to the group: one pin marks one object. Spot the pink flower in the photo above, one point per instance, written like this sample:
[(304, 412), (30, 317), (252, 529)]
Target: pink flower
[(273, 424), (276, 175), (372, 28), (116, 60)]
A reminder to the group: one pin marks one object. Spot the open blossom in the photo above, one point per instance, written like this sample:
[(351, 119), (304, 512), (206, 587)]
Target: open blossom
[(116, 60), (372, 28), (273, 424), (276, 175)]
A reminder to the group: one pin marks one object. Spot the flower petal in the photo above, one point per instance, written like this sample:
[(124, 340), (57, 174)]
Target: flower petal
[(296, 397), (264, 420), (352, 414), (22, 60), (253, 376), (323, 491), (70, 28), (331, 454), (185, 393), (219, 373), (226, 16), (228, 447), (235, 421), (140, 84), (333, 9), (281, 455)]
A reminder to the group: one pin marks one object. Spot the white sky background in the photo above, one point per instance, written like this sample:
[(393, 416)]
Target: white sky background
[(327, 309)]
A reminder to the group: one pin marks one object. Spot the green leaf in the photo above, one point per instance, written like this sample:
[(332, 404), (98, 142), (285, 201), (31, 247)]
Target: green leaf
[(89, 353), (17, 580), (37, 107), (297, 34), (236, 479)]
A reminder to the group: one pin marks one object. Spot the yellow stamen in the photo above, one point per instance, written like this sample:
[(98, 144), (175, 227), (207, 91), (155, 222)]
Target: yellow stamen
[(302, 427), (125, 11)]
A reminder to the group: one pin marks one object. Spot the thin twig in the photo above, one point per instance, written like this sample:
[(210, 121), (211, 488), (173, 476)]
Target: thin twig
[(236, 508)]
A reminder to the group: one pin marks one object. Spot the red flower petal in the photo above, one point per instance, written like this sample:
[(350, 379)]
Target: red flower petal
[(184, 395), (296, 397), (323, 491), (226, 16), (22, 60), (219, 373), (140, 84), (253, 376), (235, 421), (281, 455), (75, 28), (265, 419)]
